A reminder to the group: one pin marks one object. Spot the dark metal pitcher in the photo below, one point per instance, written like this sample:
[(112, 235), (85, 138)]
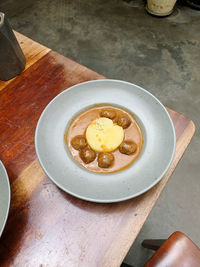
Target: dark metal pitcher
[(12, 59)]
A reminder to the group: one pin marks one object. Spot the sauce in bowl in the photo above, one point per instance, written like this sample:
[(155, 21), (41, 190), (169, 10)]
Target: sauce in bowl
[(132, 134)]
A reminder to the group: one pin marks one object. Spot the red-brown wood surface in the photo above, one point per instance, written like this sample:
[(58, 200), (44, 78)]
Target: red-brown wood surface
[(47, 227)]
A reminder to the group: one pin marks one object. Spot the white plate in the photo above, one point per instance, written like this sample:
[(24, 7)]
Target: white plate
[(155, 159), (4, 197)]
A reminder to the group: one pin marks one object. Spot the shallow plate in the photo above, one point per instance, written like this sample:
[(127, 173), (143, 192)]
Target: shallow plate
[(153, 118), (4, 197)]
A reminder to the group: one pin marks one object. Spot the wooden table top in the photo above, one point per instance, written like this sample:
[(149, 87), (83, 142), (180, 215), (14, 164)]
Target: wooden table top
[(47, 227)]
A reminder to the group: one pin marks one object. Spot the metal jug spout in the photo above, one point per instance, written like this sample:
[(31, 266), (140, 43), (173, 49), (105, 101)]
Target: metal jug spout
[(12, 59)]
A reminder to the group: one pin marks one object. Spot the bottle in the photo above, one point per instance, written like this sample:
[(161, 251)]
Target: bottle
[(12, 59)]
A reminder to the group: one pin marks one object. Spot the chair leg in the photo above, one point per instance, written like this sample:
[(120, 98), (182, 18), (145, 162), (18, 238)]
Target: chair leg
[(153, 244)]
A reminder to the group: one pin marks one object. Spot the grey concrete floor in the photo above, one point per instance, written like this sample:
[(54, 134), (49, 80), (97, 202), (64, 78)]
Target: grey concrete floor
[(120, 40)]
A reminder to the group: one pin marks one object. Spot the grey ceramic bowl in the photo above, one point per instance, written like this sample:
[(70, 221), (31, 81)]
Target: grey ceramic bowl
[(4, 197), (155, 159)]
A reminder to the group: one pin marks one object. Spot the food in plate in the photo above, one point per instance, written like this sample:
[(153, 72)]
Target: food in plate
[(87, 155), (103, 135), (128, 147), (105, 159), (104, 139)]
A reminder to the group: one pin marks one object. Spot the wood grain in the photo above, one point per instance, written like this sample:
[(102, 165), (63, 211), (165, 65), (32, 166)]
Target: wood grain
[(47, 227), (23, 100), (33, 51)]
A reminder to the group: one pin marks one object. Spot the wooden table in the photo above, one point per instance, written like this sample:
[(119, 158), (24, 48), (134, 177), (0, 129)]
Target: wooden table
[(47, 227)]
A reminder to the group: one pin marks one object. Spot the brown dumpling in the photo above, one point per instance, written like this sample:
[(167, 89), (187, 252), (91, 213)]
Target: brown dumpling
[(128, 147), (108, 113), (105, 159), (123, 121), (78, 142), (87, 155)]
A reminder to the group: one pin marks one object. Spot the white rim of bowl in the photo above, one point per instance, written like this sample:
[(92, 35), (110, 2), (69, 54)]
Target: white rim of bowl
[(9, 194), (108, 200)]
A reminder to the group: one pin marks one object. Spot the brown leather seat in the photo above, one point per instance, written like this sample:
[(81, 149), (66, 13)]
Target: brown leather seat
[(177, 251)]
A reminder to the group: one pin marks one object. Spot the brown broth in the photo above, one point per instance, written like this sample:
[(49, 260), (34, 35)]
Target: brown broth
[(78, 127)]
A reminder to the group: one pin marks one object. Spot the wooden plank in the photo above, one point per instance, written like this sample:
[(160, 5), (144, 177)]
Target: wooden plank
[(47, 227), (32, 50), (83, 233)]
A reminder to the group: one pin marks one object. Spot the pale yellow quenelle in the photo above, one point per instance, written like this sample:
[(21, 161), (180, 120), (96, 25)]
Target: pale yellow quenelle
[(103, 135)]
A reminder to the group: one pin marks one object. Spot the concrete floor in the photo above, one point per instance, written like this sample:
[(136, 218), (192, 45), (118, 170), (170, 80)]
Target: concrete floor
[(120, 40)]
